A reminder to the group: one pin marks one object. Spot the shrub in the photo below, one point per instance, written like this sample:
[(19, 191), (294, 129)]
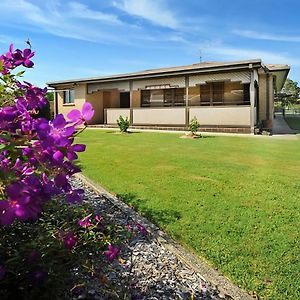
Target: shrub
[(123, 124), (194, 125), (42, 236)]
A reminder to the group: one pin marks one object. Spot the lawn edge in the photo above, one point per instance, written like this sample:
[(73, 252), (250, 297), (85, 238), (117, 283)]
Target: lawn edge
[(227, 289)]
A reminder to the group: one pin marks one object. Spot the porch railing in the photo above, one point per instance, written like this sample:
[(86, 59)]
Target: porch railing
[(181, 116)]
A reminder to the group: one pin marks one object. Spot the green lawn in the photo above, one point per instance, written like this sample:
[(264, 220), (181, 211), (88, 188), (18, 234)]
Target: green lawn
[(233, 201), (293, 121)]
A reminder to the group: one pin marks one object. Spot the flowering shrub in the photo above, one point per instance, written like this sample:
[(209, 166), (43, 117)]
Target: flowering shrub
[(42, 240), (36, 155), (37, 258)]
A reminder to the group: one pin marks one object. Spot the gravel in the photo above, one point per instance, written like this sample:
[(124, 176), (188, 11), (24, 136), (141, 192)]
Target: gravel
[(148, 270)]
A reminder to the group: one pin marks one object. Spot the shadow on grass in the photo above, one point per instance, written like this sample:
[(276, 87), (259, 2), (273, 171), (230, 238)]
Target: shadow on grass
[(159, 217)]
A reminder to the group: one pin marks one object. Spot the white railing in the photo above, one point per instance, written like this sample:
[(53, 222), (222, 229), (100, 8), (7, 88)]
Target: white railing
[(215, 116), (222, 116), (159, 116), (113, 114)]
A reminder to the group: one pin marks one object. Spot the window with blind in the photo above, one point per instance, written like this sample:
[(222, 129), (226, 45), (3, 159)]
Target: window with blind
[(224, 93), (163, 97)]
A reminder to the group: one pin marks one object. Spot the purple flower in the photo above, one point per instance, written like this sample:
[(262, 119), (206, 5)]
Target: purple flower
[(36, 154), (38, 276), (79, 117), (75, 196), (34, 256), (2, 272), (99, 218), (129, 227), (23, 58), (111, 253), (70, 240), (85, 222), (141, 229)]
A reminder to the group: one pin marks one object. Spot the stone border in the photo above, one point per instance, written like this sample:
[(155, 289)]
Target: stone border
[(227, 289)]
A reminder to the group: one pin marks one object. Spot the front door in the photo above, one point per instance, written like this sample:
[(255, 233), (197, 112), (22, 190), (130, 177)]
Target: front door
[(125, 100)]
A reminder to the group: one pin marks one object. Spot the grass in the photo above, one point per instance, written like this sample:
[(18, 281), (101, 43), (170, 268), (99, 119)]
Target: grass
[(232, 200), (293, 121)]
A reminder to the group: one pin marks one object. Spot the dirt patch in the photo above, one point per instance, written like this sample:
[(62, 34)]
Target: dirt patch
[(191, 136)]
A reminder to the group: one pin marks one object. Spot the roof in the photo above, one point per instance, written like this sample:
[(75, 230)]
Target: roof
[(277, 67), (169, 71)]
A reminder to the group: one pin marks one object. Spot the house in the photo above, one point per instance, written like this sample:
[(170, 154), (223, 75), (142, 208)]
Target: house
[(224, 96)]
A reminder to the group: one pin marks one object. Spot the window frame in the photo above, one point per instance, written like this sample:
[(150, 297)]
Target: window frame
[(69, 97)]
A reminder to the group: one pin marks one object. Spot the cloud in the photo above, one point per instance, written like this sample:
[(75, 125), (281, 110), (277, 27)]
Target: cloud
[(223, 52), (267, 36), (156, 12), (62, 20), (80, 10)]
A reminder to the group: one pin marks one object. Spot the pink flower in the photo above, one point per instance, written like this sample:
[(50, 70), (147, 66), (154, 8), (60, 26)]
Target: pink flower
[(111, 253), (98, 218), (141, 229), (85, 222), (70, 240), (79, 117)]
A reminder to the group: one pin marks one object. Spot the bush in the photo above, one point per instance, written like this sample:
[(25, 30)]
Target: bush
[(194, 125), (44, 235), (39, 256), (123, 124)]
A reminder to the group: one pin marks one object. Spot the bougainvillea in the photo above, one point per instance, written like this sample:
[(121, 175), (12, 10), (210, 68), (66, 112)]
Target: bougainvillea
[(36, 155)]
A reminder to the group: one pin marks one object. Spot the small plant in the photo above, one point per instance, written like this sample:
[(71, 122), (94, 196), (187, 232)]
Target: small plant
[(123, 124), (193, 126)]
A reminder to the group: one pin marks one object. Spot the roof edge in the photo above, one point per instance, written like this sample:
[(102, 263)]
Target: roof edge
[(171, 71)]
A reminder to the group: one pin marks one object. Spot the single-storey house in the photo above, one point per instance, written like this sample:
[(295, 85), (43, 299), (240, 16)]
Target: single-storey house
[(223, 96)]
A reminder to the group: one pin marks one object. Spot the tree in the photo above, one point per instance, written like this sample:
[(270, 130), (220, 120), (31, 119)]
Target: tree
[(291, 92)]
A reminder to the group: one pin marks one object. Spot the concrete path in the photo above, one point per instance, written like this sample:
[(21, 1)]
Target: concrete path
[(284, 135), (281, 127)]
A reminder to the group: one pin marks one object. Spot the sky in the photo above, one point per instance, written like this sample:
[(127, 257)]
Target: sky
[(76, 39)]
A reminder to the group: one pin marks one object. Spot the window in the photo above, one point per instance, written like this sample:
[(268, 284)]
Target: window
[(224, 93), (205, 94), (217, 92), (163, 97), (246, 93), (145, 98), (69, 96)]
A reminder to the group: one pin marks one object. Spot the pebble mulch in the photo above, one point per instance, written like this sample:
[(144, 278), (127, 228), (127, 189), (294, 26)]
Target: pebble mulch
[(149, 271)]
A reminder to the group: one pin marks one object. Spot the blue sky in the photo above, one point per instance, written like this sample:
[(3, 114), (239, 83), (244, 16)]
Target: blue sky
[(74, 39)]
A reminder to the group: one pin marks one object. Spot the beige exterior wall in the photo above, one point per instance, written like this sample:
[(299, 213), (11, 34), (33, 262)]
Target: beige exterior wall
[(159, 116), (263, 94), (136, 98), (96, 99), (222, 116), (113, 114), (80, 95)]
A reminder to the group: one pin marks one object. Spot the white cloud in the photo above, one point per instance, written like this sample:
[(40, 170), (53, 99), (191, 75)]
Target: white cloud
[(156, 12), (267, 36), (66, 20), (222, 52), (80, 10)]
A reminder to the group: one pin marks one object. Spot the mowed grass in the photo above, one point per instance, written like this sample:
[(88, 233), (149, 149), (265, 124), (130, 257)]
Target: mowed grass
[(234, 201)]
